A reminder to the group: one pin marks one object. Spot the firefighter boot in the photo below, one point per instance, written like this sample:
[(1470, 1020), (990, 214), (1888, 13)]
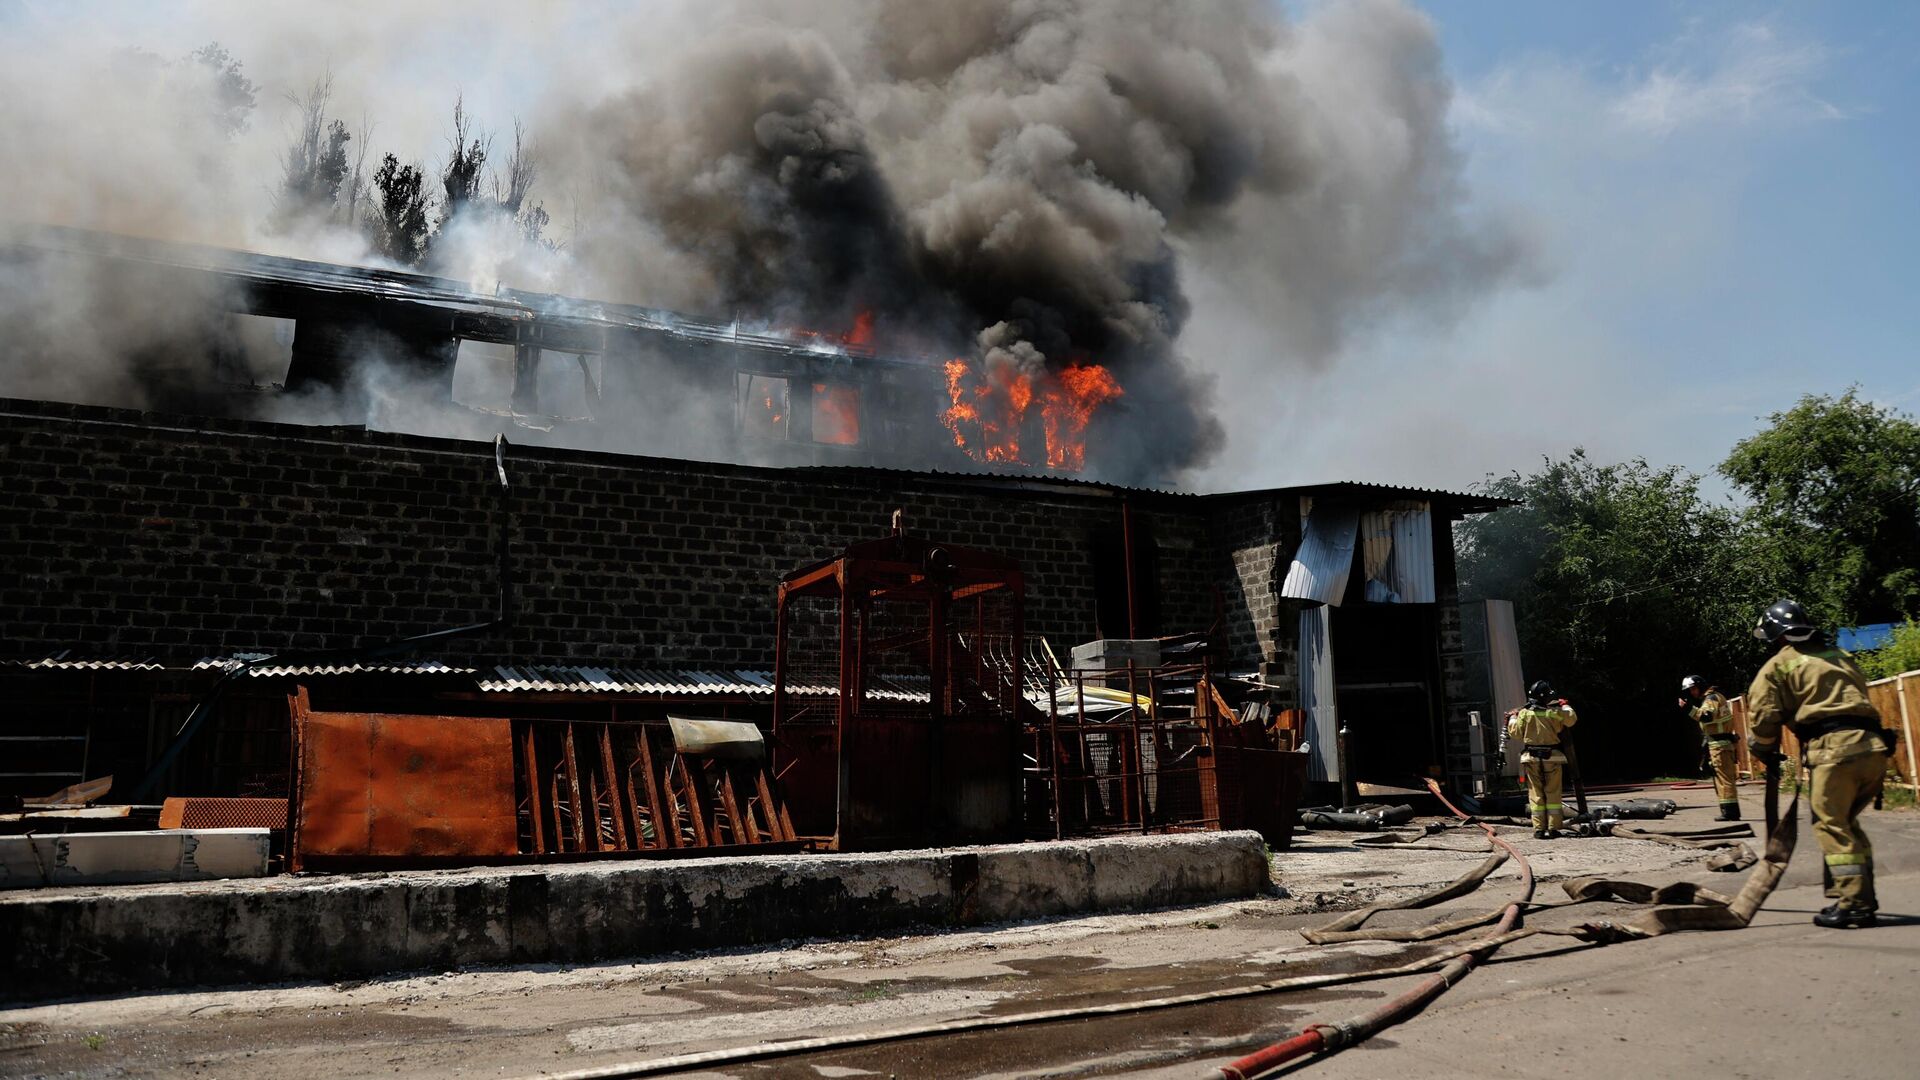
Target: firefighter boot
[(1542, 834), (1835, 917)]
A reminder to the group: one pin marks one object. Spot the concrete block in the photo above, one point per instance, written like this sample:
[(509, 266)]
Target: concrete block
[(120, 858), (109, 940), (1116, 652)]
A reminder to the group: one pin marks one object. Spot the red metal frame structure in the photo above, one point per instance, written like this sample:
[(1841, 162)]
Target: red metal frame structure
[(402, 789), (922, 740), (1120, 750), (1118, 757)]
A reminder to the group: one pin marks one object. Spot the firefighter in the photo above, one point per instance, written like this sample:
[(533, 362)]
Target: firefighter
[(1538, 726), (1818, 691), (1709, 707)]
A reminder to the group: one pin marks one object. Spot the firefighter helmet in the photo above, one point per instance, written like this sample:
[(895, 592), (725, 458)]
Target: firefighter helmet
[(1784, 620), (1692, 681), (1540, 692)]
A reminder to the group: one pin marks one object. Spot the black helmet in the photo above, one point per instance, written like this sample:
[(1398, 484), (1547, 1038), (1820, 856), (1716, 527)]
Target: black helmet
[(1785, 619), (1540, 692), (1692, 681)]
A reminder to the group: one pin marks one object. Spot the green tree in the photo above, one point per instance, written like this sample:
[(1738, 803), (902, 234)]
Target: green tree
[(1624, 580), (400, 205), (1835, 491), (314, 165)]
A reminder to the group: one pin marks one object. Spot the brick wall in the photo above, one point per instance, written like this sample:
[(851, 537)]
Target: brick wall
[(131, 533), (1258, 534)]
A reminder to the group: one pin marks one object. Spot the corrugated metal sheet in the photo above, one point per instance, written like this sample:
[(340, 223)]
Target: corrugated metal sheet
[(623, 680), (1509, 685), (1410, 570), (64, 661), (677, 682), (1397, 553), (1321, 565), (1317, 699), (421, 667)]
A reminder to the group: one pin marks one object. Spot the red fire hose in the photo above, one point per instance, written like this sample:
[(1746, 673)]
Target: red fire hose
[(1324, 1037)]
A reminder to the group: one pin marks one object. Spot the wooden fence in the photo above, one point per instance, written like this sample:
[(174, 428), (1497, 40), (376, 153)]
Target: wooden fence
[(1898, 700)]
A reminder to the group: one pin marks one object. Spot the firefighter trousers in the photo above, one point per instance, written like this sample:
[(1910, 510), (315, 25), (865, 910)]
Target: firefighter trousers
[(1840, 792), (1543, 791), (1725, 761)]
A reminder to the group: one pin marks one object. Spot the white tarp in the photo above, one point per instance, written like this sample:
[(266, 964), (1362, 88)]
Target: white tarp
[(1317, 700)]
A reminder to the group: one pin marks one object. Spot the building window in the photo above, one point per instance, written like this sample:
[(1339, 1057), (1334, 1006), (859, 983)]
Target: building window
[(836, 414), (762, 405)]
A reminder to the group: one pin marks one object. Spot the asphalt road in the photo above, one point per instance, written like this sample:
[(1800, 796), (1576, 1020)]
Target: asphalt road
[(1780, 998)]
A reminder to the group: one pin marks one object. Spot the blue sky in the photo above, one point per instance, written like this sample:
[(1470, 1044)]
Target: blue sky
[(1725, 197)]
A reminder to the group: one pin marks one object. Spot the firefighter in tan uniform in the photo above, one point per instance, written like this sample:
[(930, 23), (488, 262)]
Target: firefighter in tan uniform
[(1538, 726), (1710, 709), (1818, 691)]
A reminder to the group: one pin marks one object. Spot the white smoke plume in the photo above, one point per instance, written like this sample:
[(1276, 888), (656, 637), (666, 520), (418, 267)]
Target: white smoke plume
[(1050, 172)]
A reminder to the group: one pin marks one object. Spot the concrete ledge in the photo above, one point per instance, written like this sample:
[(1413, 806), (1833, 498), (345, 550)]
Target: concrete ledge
[(91, 941)]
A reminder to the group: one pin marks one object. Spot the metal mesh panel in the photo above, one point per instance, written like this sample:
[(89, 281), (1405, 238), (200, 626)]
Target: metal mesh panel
[(1116, 755)]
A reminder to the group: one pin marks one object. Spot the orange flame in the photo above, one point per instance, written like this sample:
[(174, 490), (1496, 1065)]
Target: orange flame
[(861, 335), (988, 414), (836, 414), (1076, 392)]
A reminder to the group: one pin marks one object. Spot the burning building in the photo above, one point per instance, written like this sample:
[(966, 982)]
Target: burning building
[(280, 337), (148, 555)]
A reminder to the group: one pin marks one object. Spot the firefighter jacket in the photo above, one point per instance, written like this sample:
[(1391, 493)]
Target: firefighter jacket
[(1714, 715), (1813, 686), (1540, 725)]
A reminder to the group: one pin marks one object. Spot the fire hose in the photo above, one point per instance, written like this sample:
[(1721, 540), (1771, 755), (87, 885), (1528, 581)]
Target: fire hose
[(1318, 1038), (1683, 906), (1696, 909)]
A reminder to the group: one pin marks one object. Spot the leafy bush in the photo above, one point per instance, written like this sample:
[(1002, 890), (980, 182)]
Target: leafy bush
[(1900, 654)]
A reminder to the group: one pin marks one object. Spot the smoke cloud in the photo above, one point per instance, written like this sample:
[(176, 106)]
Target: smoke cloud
[(1024, 183)]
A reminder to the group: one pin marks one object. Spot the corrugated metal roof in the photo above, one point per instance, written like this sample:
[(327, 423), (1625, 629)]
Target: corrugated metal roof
[(1364, 487), (356, 667), (421, 667), (64, 661), (583, 679)]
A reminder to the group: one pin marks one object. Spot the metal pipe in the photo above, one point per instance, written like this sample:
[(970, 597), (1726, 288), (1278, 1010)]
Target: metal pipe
[(1126, 544)]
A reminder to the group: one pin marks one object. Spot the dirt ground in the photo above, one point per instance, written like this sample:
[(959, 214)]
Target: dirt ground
[(1757, 1002)]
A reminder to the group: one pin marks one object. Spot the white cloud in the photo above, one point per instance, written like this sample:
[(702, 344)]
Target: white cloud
[(1752, 73)]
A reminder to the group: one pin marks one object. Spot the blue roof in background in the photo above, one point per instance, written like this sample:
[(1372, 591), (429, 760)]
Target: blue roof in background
[(1861, 638)]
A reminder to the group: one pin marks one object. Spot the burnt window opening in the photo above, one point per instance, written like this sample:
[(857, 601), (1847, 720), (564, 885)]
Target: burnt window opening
[(253, 350), (483, 375), (1107, 548), (762, 408), (527, 380), (836, 414)]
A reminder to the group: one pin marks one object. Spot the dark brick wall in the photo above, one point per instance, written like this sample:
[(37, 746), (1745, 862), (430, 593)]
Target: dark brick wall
[(123, 532), (1258, 534)]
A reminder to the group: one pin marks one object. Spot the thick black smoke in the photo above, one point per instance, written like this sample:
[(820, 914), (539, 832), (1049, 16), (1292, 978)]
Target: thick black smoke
[(1026, 183), (1037, 168)]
